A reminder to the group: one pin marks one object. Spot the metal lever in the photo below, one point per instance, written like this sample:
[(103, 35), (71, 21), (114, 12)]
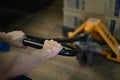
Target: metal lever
[(39, 44)]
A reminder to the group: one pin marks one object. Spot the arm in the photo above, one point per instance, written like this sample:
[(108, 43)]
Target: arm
[(3, 37), (20, 63)]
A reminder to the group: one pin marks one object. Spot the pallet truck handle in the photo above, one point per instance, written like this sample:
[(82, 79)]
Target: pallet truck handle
[(39, 44)]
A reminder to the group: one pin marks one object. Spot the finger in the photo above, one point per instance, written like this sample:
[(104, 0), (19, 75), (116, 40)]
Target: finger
[(52, 40), (46, 43)]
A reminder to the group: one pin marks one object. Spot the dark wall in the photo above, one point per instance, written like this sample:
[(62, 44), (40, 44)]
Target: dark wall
[(25, 5), (10, 10)]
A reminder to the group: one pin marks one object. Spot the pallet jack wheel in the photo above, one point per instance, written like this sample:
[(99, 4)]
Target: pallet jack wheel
[(86, 57)]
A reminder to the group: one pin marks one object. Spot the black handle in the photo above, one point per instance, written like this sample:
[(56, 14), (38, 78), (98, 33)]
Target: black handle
[(39, 44)]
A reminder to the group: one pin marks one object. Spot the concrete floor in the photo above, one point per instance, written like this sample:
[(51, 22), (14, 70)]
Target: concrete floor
[(47, 23)]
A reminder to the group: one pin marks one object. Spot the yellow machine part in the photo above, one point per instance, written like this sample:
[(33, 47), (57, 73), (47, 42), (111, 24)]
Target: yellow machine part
[(100, 32)]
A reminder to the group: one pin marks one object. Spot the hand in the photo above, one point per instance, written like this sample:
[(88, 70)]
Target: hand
[(52, 48), (16, 38)]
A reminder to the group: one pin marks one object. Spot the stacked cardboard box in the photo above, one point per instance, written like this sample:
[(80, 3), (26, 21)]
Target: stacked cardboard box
[(102, 7), (77, 12)]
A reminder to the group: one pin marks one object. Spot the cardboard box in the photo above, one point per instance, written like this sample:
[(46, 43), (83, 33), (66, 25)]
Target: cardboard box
[(101, 7)]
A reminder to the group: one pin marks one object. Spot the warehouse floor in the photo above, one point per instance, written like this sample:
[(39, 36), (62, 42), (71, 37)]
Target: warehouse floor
[(47, 23)]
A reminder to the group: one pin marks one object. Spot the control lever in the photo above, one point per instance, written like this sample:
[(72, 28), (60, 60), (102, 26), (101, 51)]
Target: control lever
[(70, 51)]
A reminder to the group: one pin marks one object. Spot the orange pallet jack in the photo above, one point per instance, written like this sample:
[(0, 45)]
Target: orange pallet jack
[(84, 42), (97, 31)]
